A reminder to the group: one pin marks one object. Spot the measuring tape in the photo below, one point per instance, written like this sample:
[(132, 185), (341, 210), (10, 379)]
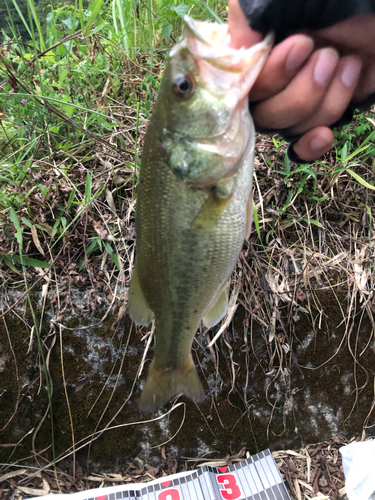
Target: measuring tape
[(256, 478)]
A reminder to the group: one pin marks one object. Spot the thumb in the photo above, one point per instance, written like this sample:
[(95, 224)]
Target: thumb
[(238, 28)]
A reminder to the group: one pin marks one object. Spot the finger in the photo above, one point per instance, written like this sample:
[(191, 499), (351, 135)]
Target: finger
[(302, 96), (314, 143), (336, 99), (281, 66), (366, 84), (238, 28), (355, 35)]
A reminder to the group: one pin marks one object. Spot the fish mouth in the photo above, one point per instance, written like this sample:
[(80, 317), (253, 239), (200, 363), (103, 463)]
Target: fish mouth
[(226, 75), (220, 66), (211, 42), (210, 34)]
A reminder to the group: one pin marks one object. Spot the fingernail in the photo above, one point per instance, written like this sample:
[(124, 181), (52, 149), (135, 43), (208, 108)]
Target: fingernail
[(325, 66), (351, 71), (299, 53), (319, 142)]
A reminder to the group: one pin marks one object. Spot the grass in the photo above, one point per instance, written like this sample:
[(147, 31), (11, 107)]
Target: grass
[(79, 96), (75, 101), (62, 100)]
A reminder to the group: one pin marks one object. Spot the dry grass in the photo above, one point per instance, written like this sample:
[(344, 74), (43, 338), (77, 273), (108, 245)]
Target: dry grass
[(310, 473)]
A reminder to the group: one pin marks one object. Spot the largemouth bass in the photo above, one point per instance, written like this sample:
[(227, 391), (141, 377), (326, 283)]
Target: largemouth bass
[(194, 206)]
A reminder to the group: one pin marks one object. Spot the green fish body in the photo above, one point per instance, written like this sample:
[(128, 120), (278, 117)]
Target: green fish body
[(194, 205)]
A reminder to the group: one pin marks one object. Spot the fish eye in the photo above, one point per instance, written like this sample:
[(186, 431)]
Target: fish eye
[(183, 86)]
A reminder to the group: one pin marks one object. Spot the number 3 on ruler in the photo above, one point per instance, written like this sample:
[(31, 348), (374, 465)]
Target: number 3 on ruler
[(231, 490), (171, 494)]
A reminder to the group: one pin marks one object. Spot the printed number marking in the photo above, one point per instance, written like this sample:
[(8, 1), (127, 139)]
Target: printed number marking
[(171, 494), (231, 490)]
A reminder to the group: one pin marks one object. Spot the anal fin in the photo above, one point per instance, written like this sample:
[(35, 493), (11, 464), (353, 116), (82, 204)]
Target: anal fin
[(218, 309), (138, 308)]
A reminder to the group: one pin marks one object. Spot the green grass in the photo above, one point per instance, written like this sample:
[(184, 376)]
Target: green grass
[(316, 187), (75, 97), (79, 95)]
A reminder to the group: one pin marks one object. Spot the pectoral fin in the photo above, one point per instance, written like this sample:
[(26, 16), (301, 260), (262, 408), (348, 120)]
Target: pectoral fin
[(210, 213), (218, 310), (138, 308)]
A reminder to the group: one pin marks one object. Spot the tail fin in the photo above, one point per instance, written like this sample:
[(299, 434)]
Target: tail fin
[(162, 385)]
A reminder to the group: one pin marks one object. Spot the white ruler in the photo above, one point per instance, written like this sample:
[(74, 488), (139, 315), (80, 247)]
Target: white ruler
[(256, 478)]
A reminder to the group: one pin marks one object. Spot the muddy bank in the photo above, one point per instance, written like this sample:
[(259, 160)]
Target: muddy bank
[(265, 387)]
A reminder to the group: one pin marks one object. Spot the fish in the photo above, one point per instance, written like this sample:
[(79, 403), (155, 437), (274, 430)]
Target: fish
[(194, 200)]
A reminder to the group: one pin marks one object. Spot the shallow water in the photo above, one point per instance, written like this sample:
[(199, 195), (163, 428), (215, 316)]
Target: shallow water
[(258, 394)]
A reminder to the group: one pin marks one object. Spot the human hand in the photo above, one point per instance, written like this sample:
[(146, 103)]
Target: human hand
[(302, 90)]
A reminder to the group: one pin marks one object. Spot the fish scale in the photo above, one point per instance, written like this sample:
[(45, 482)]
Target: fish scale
[(193, 200)]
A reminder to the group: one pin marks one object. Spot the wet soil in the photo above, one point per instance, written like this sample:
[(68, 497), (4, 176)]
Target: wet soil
[(260, 392)]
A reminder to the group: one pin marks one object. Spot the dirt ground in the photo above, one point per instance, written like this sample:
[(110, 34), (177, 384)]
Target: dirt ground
[(313, 472)]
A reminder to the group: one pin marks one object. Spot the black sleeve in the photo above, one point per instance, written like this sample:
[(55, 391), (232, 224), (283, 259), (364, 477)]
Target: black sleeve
[(285, 17)]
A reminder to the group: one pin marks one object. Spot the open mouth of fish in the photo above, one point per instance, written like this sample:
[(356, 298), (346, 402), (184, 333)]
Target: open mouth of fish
[(229, 74)]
